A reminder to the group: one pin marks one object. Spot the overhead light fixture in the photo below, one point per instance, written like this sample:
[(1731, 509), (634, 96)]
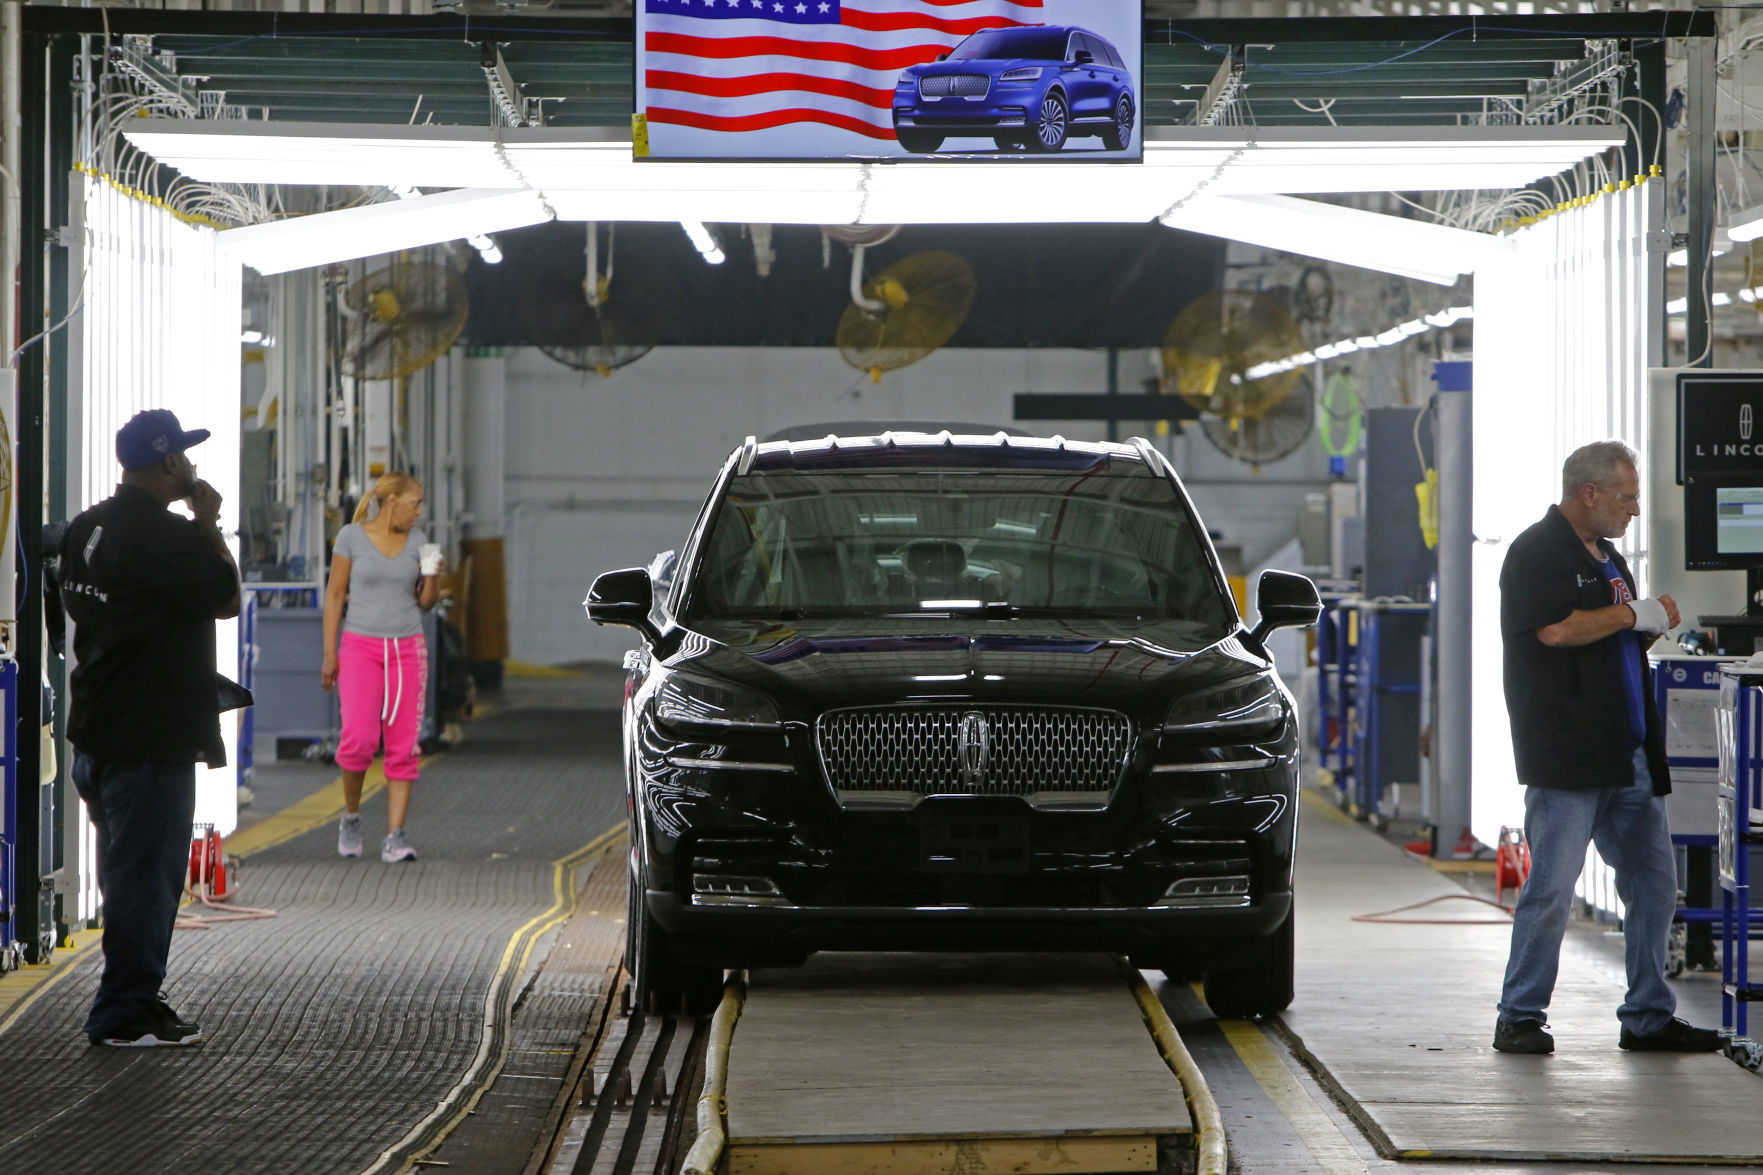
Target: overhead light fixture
[(1386, 338), (486, 248), (1371, 240), (588, 173), (1746, 225), (703, 241), (300, 242)]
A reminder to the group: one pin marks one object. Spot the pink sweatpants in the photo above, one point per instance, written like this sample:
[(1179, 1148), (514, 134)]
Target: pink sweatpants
[(382, 682)]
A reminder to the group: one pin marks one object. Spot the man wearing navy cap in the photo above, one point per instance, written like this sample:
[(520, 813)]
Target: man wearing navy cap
[(142, 588)]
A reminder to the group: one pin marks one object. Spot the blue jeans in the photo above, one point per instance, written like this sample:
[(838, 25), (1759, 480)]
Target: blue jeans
[(143, 814), (1628, 826)]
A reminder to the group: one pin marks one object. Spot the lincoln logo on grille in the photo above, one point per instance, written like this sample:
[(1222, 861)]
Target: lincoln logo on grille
[(976, 748)]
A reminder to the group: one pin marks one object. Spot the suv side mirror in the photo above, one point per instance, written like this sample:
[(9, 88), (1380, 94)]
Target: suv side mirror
[(623, 597), (1284, 601), (1083, 57)]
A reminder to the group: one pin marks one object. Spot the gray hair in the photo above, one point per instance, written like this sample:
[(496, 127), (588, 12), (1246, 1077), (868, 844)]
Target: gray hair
[(1594, 464)]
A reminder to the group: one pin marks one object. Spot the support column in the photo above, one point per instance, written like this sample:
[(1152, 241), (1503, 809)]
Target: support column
[(1452, 742), (1700, 142)]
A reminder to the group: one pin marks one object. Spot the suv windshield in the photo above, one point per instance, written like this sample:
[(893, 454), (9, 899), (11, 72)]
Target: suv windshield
[(1036, 44), (1106, 541)]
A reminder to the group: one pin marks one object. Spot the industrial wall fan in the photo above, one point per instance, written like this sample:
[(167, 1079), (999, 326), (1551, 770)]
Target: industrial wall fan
[(616, 340), (616, 337), (1208, 353), (402, 318), (904, 313)]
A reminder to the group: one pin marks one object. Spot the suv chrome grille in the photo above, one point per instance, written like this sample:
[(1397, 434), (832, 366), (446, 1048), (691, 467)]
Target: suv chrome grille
[(1046, 754), (955, 85)]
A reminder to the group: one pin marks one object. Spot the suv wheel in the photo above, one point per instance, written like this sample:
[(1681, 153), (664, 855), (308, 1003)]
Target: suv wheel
[(1048, 132), (918, 142), (1119, 133), (1259, 989), (660, 983)]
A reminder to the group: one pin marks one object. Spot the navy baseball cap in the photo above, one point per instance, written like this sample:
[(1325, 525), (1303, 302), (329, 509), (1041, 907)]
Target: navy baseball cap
[(151, 436)]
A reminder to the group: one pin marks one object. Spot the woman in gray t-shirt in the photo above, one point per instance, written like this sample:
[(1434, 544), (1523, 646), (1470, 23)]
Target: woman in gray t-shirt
[(375, 656)]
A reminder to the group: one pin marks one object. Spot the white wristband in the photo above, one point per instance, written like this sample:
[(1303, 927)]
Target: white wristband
[(1649, 616)]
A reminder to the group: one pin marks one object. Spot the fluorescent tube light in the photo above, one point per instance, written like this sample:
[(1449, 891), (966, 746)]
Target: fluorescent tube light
[(1370, 240), (300, 242), (1746, 225), (703, 241), (486, 248), (588, 174)]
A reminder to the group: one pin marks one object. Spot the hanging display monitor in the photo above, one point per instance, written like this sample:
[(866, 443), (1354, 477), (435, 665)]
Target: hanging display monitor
[(1720, 463), (820, 80)]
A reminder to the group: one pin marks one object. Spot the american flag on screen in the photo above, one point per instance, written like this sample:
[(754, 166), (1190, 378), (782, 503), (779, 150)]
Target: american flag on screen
[(745, 65)]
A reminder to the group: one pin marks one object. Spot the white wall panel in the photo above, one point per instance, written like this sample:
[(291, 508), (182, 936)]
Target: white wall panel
[(604, 472), (1564, 333), (160, 329)]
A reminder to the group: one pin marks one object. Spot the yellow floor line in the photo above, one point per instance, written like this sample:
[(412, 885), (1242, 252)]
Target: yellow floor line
[(492, 1054), (302, 816), (1321, 806), (512, 668), (24, 987), (1331, 1149)]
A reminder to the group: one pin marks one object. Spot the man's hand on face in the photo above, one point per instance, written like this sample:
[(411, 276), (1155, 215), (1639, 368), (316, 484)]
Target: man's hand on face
[(205, 505)]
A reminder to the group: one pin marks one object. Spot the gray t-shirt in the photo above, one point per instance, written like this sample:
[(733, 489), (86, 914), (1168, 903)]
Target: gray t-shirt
[(382, 591)]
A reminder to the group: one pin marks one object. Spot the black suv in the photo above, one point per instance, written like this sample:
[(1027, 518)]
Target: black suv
[(921, 692)]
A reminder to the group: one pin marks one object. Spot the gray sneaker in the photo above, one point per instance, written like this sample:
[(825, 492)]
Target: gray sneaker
[(349, 835), (396, 848)]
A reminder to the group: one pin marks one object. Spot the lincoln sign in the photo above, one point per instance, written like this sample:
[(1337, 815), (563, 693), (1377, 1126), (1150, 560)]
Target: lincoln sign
[(1719, 424)]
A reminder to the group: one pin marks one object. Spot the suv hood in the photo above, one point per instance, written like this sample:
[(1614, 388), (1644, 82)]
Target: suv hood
[(1119, 664)]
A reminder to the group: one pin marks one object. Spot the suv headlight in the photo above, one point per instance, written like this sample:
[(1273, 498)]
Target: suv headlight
[(688, 702), (1238, 709), (1027, 73)]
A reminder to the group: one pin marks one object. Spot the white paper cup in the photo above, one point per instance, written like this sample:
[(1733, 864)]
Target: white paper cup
[(431, 558)]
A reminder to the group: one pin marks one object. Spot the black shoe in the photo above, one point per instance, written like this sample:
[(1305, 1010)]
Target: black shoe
[(1678, 1036), (155, 1027), (1522, 1036)]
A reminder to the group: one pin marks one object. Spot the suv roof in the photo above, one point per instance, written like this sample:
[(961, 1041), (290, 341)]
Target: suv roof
[(901, 447)]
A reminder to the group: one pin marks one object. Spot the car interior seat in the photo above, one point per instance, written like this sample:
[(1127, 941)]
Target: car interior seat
[(936, 569)]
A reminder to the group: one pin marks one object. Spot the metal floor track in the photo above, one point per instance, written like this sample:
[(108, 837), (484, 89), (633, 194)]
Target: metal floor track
[(346, 1030)]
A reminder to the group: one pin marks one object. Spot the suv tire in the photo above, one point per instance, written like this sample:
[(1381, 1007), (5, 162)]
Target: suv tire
[(919, 142), (1047, 133), (1119, 132), (660, 983), (1260, 988)]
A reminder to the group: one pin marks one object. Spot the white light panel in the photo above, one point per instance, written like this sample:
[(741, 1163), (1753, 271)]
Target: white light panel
[(593, 176)]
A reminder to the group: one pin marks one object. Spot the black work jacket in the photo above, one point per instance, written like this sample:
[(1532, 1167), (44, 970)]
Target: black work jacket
[(1568, 708), (142, 588)]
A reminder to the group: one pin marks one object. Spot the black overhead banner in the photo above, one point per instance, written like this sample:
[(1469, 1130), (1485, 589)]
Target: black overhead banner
[(1076, 285), (1720, 425)]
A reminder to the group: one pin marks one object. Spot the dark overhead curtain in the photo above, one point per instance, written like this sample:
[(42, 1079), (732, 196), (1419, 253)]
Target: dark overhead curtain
[(1037, 286)]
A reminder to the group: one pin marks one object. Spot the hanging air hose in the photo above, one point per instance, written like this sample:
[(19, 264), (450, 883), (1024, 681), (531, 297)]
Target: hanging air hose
[(1340, 402)]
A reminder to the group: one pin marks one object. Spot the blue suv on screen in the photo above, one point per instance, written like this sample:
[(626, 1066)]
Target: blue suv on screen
[(1028, 88)]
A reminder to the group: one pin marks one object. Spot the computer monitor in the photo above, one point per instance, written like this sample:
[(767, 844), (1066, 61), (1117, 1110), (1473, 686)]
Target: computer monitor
[(1723, 525)]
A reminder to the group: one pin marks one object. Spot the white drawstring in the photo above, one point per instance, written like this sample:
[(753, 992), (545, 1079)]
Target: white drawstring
[(386, 697)]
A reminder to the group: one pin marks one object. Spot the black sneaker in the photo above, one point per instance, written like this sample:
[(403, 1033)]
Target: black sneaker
[(1522, 1036), (156, 1027), (1678, 1036)]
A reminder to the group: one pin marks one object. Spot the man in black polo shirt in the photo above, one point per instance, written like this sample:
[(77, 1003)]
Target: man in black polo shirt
[(142, 589), (1590, 751)]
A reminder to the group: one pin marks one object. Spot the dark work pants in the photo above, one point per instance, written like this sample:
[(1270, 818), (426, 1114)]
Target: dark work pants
[(143, 813)]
